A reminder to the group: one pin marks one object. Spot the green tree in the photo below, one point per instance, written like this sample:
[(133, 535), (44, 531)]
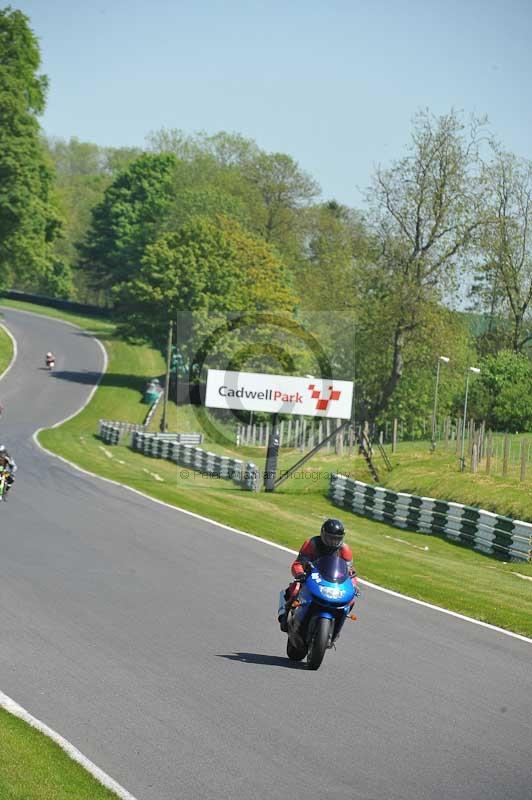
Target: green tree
[(29, 221), (284, 189), (225, 149), (128, 219), (211, 272), (426, 216), (501, 393), (83, 172), (273, 188), (328, 277), (505, 275)]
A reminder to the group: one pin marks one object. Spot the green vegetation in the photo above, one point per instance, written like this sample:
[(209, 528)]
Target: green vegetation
[(447, 574), (238, 250), (501, 394), (32, 767), (29, 220), (418, 471), (236, 247), (6, 350)]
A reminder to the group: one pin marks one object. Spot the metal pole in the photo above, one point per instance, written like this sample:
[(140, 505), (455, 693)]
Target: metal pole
[(462, 460), (272, 455), (433, 446), (177, 363), (164, 425), (446, 361)]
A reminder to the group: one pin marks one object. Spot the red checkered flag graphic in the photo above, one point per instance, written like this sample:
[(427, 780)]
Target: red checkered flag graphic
[(323, 402)]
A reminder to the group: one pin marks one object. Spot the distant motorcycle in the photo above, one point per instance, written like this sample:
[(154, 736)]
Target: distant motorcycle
[(3, 483), (50, 362), (317, 615)]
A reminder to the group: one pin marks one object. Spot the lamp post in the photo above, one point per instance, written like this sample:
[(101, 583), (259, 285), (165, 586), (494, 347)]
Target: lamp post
[(462, 459), (445, 361)]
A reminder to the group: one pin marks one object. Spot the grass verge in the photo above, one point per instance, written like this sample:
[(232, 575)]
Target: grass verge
[(32, 767), (446, 574), (418, 471), (6, 350)]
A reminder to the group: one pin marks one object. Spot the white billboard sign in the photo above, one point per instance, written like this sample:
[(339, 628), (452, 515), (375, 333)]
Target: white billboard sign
[(279, 394)]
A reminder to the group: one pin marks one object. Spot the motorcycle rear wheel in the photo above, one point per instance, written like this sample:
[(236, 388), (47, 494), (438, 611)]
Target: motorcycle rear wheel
[(319, 642)]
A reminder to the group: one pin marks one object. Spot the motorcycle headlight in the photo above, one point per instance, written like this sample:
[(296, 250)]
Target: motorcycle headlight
[(331, 592)]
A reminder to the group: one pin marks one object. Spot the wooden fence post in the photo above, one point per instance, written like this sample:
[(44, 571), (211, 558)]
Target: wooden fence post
[(303, 434), (522, 473), (474, 458), (489, 451), (311, 435), (506, 454), (339, 449), (394, 435)]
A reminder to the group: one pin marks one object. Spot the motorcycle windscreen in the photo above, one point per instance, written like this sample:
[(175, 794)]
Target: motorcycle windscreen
[(332, 568)]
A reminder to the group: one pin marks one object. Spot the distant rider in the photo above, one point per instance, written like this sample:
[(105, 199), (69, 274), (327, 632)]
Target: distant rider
[(50, 359), (9, 465), (329, 542)]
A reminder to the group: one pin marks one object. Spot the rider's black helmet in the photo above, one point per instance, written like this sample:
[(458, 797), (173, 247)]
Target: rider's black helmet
[(332, 533)]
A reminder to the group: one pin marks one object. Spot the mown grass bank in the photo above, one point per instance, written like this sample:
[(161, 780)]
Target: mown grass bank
[(6, 350), (446, 574), (418, 471), (415, 470), (32, 767)]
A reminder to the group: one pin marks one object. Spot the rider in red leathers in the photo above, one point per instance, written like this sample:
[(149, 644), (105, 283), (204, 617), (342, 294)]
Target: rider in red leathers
[(330, 540)]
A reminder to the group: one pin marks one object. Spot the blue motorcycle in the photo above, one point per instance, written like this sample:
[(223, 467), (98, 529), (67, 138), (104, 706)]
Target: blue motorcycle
[(317, 615)]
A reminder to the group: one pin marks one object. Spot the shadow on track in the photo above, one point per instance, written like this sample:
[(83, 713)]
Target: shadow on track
[(86, 377), (108, 379), (258, 658)]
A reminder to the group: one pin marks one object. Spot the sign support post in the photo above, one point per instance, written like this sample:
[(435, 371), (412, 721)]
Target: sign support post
[(164, 425), (272, 455)]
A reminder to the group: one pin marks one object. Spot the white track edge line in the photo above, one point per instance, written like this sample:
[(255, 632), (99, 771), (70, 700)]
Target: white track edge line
[(15, 350), (244, 533), (14, 708), (279, 546), (69, 748), (10, 705)]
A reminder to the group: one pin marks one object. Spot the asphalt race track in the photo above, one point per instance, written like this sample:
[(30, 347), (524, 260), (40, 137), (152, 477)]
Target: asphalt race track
[(148, 639)]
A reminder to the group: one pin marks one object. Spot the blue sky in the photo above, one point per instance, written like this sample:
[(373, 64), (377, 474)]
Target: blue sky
[(334, 84)]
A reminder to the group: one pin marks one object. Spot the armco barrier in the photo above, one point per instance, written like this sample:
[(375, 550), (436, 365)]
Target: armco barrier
[(490, 533), (109, 433), (54, 302), (112, 431), (151, 411), (245, 474), (180, 438)]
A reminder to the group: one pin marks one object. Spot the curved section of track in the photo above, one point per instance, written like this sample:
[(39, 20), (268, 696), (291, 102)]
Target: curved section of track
[(147, 637)]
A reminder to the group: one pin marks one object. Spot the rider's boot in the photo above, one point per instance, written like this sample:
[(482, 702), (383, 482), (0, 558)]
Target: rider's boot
[(281, 613)]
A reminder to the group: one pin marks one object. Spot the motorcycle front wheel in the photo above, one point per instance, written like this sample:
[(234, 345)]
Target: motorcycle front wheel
[(319, 642), (294, 653)]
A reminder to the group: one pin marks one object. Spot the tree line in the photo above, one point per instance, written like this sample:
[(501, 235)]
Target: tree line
[(239, 249)]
